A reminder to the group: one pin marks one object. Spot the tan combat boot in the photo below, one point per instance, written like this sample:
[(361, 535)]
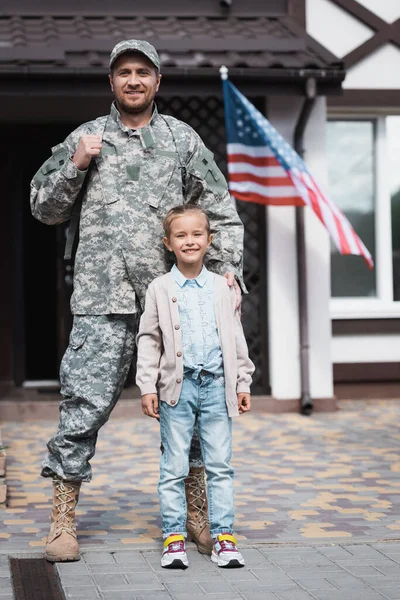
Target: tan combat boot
[(62, 544), (197, 523)]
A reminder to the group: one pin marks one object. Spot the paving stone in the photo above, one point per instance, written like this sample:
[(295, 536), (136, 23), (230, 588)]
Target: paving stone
[(297, 595), (153, 597), (364, 551), (181, 588), (366, 571), (130, 558), (390, 592), (97, 558), (111, 582), (344, 580), (268, 578), (136, 579), (248, 586), (392, 556), (230, 595), (178, 575), (356, 594), (129, 595), (256, 596), (238, 575), (5, 585), (215, 586), (253, 556), (267, 571), (76, 568), (69, 579), (320, 571), (315, 583), (79, 593), (390, 569), (120, 568)]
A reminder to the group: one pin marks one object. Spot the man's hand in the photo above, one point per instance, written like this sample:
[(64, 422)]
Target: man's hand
[(232, 282), (244, 402), (150, 405), (88, 147)]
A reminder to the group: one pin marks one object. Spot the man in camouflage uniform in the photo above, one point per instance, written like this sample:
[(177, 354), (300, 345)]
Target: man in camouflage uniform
[(123, 172)]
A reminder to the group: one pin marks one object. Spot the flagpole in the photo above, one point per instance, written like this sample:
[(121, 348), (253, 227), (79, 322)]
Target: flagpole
[(306, 406)]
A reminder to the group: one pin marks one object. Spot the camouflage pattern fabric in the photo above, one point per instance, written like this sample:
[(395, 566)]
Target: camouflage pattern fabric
[(137, 46), (92, 373), (137, 178)]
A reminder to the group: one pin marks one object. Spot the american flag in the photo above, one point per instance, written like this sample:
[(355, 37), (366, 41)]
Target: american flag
[(264, 168)]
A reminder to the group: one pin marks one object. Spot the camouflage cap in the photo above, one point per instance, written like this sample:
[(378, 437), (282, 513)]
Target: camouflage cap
[(135, 46)]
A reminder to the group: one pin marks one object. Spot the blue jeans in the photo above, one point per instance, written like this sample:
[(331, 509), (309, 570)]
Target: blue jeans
[(202, 401)]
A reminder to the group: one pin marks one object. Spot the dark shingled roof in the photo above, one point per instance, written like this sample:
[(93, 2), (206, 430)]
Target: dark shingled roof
[(48, 44)]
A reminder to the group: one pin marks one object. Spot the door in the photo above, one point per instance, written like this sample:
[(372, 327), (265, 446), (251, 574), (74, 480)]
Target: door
[(41, 317)]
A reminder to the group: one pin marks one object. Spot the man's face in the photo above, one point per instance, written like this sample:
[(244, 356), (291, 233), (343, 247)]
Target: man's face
[(134, 81)]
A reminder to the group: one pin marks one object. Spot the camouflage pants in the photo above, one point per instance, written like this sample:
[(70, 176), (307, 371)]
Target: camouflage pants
[(92, 374)]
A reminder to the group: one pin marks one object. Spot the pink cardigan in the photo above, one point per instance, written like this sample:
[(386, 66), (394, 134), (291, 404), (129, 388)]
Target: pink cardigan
[(160, 355)]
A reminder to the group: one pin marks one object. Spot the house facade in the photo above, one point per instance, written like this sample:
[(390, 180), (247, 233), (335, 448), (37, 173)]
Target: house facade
[(53, 67), (363, 151)]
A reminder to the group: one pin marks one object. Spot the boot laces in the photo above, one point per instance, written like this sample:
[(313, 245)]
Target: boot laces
[(196, 485), (66, 493)]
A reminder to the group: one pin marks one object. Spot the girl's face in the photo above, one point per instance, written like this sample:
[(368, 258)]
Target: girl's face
[(189, 238)]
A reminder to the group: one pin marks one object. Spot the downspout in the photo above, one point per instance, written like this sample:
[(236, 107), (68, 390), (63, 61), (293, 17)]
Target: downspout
[(306, 405)]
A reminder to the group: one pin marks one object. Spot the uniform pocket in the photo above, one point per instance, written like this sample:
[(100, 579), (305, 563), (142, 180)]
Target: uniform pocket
[(206, 170), (77, 339), (155, 178), (54, 163)]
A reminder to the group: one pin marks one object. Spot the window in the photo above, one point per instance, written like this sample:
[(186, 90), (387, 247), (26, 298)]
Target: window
[(350, 151), (364, 181)]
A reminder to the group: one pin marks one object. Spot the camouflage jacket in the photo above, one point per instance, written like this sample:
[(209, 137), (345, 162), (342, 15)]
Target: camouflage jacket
[(126, 192)]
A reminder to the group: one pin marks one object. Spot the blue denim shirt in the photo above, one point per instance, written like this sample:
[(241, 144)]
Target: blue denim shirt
[(200, 341)]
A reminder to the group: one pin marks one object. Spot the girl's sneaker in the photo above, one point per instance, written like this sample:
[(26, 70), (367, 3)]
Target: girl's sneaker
[(225, 553), (174, 554)]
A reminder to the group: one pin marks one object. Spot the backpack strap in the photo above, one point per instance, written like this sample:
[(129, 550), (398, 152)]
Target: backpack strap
[(97, 129)]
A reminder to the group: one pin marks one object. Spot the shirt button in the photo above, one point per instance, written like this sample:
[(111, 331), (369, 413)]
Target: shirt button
[(174, 299), (179, 354), (177, 327), (178, 380), (173, 402)]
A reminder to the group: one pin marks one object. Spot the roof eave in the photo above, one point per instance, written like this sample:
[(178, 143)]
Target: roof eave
[(332, 76)]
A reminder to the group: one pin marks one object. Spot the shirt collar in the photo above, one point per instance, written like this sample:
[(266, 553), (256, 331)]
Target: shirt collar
[(116, 116), (180, 279)]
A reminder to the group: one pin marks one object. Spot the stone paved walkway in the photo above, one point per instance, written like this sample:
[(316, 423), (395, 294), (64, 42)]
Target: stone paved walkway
[(317, 502)]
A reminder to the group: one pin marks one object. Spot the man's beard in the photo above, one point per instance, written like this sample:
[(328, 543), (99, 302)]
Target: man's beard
[(134, 109)]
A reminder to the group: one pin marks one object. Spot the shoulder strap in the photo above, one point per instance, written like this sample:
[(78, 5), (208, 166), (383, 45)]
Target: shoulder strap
[(182, 164), (76, 212)]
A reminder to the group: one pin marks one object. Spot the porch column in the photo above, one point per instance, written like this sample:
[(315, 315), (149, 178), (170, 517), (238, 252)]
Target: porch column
[(283, 318)]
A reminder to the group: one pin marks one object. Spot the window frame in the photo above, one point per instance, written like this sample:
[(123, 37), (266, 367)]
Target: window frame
[(381, 306)]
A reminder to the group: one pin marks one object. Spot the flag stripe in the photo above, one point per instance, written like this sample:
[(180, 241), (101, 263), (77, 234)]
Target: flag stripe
[(268, 201), (243, 167), (266, 181), (263, 168), (262, 190), (257, 161), (255, 151)]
